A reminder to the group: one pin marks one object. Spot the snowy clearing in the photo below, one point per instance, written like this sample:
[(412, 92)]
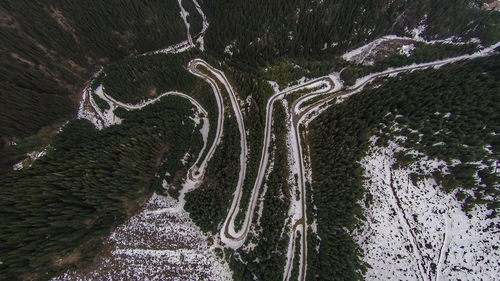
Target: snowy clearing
[(416, 232), (158, 244)]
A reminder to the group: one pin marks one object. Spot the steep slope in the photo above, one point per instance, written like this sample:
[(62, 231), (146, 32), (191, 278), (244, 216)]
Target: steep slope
[(283, 192), (257, 32), (50, 48), (160, 242), (56, 214), (339, 139)]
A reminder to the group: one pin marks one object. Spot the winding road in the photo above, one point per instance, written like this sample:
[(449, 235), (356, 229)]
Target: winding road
[(327, 88), (305, 115)]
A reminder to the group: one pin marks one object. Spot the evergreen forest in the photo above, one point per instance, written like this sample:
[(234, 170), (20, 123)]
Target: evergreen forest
[(57, 211), (339, 139)]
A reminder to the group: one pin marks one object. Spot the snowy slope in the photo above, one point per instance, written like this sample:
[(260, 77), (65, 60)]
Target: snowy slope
[(160, 243), (416, 231)]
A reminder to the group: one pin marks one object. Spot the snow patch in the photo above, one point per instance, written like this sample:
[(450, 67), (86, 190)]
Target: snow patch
[(360, 54), (275, 86), (18, 166), (407, 49), (417, 231), (30, 158), (158, 245), (200, 37), (185, 158), (229, 49)]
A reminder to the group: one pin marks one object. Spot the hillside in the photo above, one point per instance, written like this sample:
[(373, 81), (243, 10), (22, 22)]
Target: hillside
[(342, 135), (249, 140), (51, 48), (275, 29)]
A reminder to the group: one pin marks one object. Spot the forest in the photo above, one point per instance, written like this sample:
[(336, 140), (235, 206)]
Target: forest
[(207, 205), (135, 79), (49, 49), (141, 78), (261, 32), (57, 213), (422, 53), (45, 64), (270, 251), (257, 91), (339, 139)]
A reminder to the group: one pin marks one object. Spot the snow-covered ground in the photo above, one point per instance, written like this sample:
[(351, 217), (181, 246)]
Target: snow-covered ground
[(359, 55), (415, 231), (31, 157), (406, 49), (160, 243), (421, 269), (104, 118), (200, 37), (391, 72), (229, 236), (296, 212), (481, 53)]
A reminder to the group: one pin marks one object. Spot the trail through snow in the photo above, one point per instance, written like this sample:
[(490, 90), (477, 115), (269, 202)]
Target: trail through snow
[(453, 246)]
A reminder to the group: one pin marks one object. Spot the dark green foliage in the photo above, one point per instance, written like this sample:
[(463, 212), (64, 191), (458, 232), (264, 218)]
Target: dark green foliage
[(11, 154), (312, 254), (257, 91), (23, 111), (88, 182), (294, 276), (339, 138), (460, 18), (290, 70), (262, 31), (208, 203), (458, 117), (194, 18), (284, 72), (215, 194), (102, 104), (422, 53), (102, 30), (48, 50), (92, 180), (284, 27), (271, 242), (140, 78)]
